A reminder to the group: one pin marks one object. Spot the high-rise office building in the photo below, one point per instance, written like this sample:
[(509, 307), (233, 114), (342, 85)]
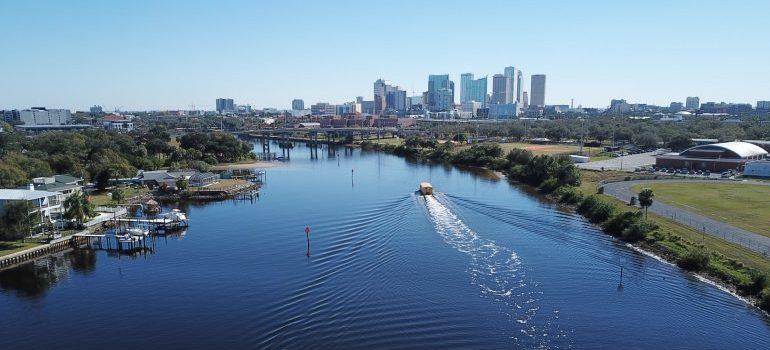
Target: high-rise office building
[(525, 100), (510, 94), (465, 86), (224, 105), (692, 102), (519, 86), (537, 88), (382, 88), (297, 104), (473, 89), (501, 85), (395, 101), (440, 97)]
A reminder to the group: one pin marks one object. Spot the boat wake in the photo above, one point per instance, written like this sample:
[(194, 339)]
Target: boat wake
[(496, 270)]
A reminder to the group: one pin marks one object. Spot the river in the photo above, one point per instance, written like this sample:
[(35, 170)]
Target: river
[(482, 264)]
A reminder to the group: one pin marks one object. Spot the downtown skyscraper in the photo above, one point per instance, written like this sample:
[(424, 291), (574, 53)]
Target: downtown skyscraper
[(473, 89), (537, 91), (388, 98), (441, 93)]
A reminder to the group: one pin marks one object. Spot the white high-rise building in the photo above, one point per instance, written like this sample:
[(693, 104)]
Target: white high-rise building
[(43, 116)]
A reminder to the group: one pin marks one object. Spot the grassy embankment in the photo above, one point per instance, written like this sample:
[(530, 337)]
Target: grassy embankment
[(741, 205), (728, 262), (15, 246)]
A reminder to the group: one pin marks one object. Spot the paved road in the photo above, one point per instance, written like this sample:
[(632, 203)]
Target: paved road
[(727, 232), (627, 163)]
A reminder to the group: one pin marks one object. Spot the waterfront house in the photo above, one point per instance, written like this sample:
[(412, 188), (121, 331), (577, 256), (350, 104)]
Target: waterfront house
[(45, 204), (156, 178), (203, 179), (65, 184)]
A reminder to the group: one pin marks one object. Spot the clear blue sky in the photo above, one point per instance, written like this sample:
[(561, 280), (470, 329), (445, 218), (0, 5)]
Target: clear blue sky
[(171, 54)]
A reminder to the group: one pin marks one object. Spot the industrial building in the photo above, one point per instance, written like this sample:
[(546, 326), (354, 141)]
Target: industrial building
[(713, 157)]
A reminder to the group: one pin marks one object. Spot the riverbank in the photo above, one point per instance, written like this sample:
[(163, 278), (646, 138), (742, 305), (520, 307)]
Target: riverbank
[(740, 270)]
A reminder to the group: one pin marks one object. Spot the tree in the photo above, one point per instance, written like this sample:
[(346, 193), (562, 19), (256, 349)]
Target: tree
[(646, 140), (11, 175), (18, 220), (78, 208), (182, 184), (645, 199), (680, 142), (117, 195)]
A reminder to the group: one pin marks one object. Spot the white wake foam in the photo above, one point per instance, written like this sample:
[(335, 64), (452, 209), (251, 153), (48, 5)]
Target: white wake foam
[(496, 270)]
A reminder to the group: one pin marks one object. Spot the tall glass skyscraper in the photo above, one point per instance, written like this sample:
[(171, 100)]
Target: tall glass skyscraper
[(473, 89), (440, 93)]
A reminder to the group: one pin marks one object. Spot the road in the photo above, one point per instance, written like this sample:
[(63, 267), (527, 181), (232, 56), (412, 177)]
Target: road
[(627, 163), (756, 242)]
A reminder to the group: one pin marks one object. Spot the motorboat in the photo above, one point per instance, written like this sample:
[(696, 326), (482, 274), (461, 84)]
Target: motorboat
[(426, 189)]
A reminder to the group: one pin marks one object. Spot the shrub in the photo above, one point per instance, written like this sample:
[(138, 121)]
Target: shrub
[(568, 194), (638, 230), (601, 212), (694, 260), (618, 223), (587, 204), (632, 202), (600, 190), (764, 301), (755, 285), (549, 185)]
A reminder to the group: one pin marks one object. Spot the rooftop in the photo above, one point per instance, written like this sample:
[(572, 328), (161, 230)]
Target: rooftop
[(18, 194)]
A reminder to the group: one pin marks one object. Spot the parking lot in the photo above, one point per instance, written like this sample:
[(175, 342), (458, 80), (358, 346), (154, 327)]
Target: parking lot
[(623, 163)]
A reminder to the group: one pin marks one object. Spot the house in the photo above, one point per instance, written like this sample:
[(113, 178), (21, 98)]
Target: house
[(47, 205), (65, 184), (117, 123), (203, 179), (156, 178)]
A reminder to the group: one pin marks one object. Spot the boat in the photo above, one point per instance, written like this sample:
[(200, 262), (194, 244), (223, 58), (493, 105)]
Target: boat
[(426, 189), (135, 232), (175, 215)]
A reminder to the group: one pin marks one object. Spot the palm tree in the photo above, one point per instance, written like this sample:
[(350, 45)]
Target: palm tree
[(78, 207), (645, 199)]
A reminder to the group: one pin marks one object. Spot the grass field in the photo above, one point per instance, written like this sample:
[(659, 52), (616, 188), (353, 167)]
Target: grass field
[(742, 205), (590, 179)]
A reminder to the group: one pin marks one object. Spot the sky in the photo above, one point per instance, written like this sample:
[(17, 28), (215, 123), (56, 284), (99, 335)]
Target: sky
[(159, 55)]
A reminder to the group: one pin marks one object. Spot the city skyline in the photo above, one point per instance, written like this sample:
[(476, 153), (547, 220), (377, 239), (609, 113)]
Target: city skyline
[(121, 54)]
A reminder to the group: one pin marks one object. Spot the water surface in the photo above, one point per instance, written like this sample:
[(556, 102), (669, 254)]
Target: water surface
[(483, 264)]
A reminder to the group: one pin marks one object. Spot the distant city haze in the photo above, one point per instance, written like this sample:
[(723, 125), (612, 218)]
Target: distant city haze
[(160, 55)]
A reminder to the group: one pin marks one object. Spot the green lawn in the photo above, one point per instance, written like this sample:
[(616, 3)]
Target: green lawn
[(15, 246), (102, 199), (742, 205)]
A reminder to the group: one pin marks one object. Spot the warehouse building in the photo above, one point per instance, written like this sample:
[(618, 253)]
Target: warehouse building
[(715, 157)]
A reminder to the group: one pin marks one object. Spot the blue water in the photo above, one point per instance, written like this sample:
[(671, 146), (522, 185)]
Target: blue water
[(482, 265)]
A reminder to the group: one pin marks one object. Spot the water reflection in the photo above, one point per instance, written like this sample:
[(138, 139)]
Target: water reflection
[(33, 279)]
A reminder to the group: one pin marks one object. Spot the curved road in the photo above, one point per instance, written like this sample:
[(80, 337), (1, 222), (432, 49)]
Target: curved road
[(756, 242)]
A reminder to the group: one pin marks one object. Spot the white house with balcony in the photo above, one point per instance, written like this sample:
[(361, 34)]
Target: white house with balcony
[(47, 205)]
